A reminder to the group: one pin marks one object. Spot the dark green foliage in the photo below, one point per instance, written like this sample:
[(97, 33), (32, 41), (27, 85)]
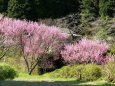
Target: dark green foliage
[(96, 8), (91, 72), (33, 12), (57, 8), (25, 9), (34, 9), (89, 9), (3, 6), (109, 71), (16, 9), (106, 7), (7, 72)]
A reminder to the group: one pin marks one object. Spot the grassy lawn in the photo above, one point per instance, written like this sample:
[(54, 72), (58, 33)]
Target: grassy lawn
[(45, 80)]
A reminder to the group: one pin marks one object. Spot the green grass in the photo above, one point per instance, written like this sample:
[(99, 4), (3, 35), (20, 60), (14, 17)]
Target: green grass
[(44, 80)]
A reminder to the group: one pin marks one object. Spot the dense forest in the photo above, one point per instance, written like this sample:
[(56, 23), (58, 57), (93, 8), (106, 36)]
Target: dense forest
[(34, 9)]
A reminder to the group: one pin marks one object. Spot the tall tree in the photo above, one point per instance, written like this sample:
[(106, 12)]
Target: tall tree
[(106, 7), (56, 8), (23, 9), (89, 8), (35, 42)]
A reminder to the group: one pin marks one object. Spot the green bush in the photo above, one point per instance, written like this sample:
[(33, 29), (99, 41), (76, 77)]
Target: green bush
[(68, 72), (7, 72), (109, 71), (91, 72), (81, 72)]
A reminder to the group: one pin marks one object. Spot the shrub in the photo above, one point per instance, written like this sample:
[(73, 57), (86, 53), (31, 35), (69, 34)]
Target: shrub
[(81, 72), (85, 51), (91, 72), (7, 72), (68, 72), (109, 71)]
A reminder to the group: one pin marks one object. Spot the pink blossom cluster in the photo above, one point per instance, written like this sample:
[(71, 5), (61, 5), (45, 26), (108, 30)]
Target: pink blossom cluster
[(35, 38), (86, 51)]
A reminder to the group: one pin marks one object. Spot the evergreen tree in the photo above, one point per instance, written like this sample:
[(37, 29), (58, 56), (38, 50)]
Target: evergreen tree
[(23, 9), (34, 9), (16, 9), (106, 7), (89, 7), (57, 8)]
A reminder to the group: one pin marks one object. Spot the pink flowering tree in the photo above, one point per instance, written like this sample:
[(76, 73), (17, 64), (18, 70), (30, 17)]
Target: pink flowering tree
[(3, 48), (35, 41), (86, 51)]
